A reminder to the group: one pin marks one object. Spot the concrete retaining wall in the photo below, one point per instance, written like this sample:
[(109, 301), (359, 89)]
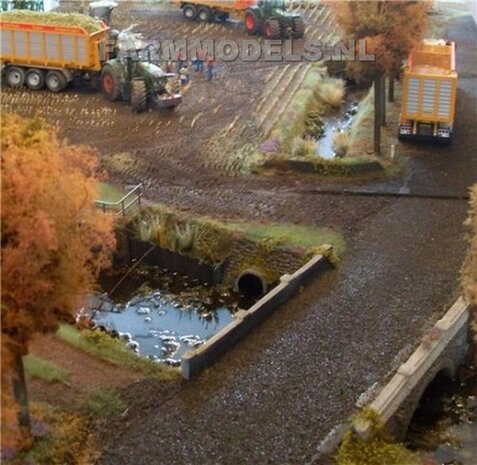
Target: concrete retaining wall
[(245, 320)]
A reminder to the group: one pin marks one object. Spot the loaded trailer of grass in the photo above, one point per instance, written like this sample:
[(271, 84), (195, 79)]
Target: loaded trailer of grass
[(54, 19)]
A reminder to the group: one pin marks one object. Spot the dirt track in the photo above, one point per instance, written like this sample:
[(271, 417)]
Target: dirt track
[(276, 396)]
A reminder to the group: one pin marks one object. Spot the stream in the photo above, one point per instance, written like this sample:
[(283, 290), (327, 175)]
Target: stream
[(161, 315), (444, 428), (339, 120)]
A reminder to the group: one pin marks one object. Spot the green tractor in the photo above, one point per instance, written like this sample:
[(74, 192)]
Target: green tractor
[(271, 19), (142, 83), (130, 74)]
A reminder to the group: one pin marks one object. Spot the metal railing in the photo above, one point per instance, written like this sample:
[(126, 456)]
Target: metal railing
[(122, 205)]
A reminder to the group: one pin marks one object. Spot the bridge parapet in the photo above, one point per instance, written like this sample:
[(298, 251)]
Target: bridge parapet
[(441, 351)]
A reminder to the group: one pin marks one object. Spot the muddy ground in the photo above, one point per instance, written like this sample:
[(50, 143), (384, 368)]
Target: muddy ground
[(275, 397)]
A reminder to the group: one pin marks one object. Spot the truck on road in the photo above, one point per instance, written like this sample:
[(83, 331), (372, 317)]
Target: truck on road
[(269, 18), (51, 51), (429, 91)]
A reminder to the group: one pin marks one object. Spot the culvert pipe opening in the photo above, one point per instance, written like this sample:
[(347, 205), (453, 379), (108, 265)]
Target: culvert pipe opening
[(251, 284)]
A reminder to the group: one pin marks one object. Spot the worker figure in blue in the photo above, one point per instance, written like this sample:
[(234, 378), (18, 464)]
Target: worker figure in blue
[(180, 61), (209, 70), (199, 60), (184, 76)]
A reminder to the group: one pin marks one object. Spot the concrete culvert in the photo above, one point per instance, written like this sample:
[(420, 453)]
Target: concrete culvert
[(251, 283)]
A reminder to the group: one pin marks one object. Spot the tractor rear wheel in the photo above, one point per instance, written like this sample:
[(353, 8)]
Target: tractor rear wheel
[(110, 83), (35, 79), (298, 28), (189, 12), (272, 29), (204, 15), (15, 76), (138, 95), (251, 22), (55, 81)]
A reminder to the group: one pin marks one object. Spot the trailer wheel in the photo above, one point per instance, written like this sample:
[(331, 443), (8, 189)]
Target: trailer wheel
[(15, 76), (35, 79), (189, 12), (55, 81), (204, 15), (251, 22), (110, 83), (298, 28), (138, 95), (272, 29)]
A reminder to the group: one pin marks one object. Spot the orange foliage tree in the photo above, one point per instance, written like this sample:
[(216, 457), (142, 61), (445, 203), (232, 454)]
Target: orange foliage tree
[(390, 29), (54, 241)]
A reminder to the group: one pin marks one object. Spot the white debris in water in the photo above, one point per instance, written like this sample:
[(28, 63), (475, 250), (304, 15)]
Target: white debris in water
[(143, 311)]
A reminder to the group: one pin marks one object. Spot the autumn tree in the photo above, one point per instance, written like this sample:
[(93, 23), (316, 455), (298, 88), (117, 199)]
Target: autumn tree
[(389, 29), (54, 242)]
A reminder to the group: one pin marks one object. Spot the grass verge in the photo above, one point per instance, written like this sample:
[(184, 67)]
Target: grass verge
[(112, 350), (291, 235), (213, 241), (44, 370)]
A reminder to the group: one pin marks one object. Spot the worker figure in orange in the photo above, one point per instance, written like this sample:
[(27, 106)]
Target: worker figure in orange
[(209, 70)]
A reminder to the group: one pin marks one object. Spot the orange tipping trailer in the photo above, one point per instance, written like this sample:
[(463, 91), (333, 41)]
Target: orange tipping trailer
[(64, 49), (51, 46), (269, 18)]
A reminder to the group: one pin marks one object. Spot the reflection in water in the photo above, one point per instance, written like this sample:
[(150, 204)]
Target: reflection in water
[(158, 326), (331, 125)]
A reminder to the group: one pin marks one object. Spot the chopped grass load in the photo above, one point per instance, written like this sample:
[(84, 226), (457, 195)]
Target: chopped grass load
[(57, 19)]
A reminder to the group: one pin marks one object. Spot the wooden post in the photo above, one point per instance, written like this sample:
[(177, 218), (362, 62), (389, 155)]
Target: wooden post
[(383, 101), (21, 397), (378, 94), (391, 88)]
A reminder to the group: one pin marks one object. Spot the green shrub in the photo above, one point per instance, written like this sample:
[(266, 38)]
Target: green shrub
[(303, 148), (331, 91), (378, 449), (105, 403), (341, 143)]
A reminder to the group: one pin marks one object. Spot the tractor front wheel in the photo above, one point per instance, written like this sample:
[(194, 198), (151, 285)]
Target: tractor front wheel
[(138, 95), (251, 22), (110, 83), (272, 29), (298, 28)]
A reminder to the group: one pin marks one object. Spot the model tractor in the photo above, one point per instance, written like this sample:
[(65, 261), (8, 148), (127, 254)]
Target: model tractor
[(51, 50), (270, 18), (264, 17), (128, 76), (141, 83)]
